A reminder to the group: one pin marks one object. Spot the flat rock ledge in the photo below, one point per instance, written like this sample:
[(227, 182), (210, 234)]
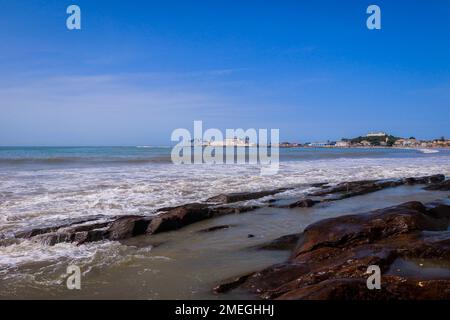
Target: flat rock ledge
[(128, 226), (331, 257), (345, 190), (244, 196)]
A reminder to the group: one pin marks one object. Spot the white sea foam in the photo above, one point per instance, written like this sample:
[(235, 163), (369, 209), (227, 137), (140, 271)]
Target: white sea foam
[(31, 197), (428, 150)]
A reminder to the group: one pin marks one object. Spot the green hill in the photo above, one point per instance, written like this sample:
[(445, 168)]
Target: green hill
[(375, 141)]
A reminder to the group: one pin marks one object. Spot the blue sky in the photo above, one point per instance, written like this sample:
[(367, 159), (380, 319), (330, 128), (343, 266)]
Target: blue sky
[(140, 69)]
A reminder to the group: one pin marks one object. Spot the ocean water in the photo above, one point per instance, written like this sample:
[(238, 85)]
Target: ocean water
[(50, 183), (41, 185)]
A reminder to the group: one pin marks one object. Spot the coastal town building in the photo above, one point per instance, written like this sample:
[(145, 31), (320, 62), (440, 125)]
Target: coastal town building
[(375, 139), (233, 142), (376, 134), (289, 145), (342, 144), (407, 143), (321, 144)]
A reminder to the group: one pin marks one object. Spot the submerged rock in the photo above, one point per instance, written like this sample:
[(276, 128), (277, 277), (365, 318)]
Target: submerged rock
[(214, 228)]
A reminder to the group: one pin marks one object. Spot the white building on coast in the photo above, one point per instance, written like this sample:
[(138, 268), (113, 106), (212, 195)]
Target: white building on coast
[(234, 142), (376, 134)]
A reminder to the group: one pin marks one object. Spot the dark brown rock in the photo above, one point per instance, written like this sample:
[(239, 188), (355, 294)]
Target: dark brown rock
[(91, 236), (287, 242), (345, 187), (438, 210), (355, 188), (425, 180), (124, 227), (243, 196), (231, 284), (118, 229), (442, 186), (179, 217), (303, 203), (215, 228), (56, 225), (218, 211), (332, 256), (368, 227), (127, 227), (356, 289), (319, 184)]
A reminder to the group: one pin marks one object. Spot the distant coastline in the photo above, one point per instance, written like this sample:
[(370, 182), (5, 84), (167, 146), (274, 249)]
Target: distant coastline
[(375, 140), (362, 147)]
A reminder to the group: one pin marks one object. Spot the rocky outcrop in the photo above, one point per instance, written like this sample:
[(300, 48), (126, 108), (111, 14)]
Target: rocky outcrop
[(301, 203), (244, 196), (344, 190), (442, 186), (355, 188), (81, 231), (332, 256), (179, 217), (118, 229), (56, 225), (436, 178)]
